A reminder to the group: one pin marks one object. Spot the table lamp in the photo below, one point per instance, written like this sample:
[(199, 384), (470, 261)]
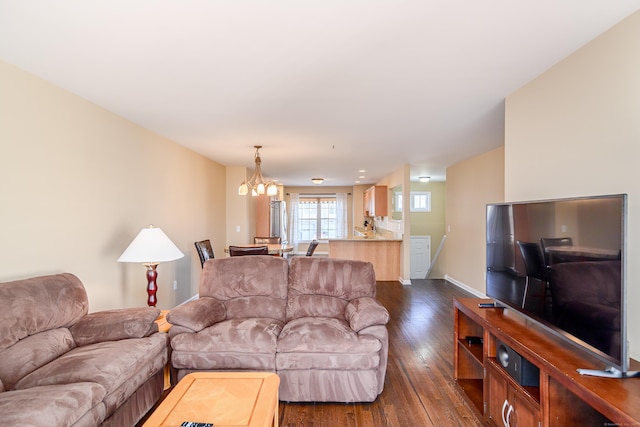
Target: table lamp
[(151, 247)]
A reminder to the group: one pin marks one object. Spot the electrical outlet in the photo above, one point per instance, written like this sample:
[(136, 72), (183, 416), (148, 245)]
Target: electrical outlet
[(175, 285), (237, 228)]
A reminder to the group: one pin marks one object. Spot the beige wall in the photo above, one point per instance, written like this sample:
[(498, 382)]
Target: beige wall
[(77, 183), (241, 220), (470, 186), (575, 131)]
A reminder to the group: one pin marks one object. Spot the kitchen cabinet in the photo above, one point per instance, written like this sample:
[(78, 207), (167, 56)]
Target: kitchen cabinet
[(384, 254), (375, 201)]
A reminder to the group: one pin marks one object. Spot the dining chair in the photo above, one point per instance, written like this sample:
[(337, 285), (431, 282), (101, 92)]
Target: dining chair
[(251, 250), (534, 266), (312, 247), (546, 242), (205, 251), (267, 240)]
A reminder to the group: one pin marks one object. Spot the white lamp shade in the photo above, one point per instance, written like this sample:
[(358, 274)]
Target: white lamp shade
[(151, 246)]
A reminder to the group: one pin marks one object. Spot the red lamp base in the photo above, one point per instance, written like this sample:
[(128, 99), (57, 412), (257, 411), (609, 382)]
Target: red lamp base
[(152, 288)]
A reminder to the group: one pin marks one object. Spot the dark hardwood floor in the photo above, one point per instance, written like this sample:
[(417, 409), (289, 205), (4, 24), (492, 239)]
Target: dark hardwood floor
[(419, 388)]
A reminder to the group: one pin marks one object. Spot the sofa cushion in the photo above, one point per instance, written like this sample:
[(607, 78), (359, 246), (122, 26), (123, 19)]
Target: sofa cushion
[(39, 304), (108, 363), (32, 352), (256, 306), (324, 335), (232, 344), (112, 325), (227, 278), (315, 306), (323, 286), (253, 335), (52, 405)]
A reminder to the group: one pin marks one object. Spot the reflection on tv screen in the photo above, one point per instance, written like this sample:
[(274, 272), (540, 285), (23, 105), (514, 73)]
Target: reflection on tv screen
[(560, 262)]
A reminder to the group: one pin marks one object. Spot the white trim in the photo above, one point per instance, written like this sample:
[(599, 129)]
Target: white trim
[(465, 287), (404, 281), (193, 298)]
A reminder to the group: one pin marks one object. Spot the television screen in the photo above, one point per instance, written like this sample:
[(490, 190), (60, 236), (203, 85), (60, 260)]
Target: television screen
[(562, 263)]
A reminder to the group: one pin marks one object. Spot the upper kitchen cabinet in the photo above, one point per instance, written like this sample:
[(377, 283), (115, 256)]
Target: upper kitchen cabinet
[(375, 201)]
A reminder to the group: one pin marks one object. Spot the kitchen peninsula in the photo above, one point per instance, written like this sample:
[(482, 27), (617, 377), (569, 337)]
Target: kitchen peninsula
[(381, 248)]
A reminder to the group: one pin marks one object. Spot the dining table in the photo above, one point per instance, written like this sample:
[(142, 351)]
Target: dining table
[(581, 253), (274, 248)]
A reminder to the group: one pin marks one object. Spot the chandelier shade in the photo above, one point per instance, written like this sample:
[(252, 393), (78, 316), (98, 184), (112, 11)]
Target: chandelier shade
[(258, 184)]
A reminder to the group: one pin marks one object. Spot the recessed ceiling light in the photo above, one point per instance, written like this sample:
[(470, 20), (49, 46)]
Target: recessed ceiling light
[(361, 177), (317, 181), (361, 171), (424, 178)]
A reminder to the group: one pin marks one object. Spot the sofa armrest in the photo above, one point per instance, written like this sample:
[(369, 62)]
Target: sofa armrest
[(364, 312), (198, 314), (114, 325)]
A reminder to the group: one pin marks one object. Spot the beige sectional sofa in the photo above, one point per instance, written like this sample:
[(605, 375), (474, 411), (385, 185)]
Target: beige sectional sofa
[(60, 366), (315, 322)]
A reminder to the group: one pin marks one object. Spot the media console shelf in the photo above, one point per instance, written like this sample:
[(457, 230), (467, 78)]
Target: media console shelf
[(563, 397)]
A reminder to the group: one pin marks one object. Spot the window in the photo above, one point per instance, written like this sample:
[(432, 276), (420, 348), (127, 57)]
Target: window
[(420, 201), (317, 218)]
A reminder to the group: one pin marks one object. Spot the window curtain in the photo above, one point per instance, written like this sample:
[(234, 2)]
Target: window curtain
[(294, 202), (342, 219)]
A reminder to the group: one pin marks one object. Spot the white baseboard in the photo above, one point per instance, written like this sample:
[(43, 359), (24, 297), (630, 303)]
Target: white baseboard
[(465, 287), (195, 297), (404, 281)]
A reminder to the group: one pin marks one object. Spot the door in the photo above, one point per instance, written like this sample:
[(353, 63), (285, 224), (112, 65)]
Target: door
[(420, 256)]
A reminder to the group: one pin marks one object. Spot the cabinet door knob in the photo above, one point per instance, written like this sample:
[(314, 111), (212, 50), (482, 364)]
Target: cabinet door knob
[(504, 413), (509, 412)]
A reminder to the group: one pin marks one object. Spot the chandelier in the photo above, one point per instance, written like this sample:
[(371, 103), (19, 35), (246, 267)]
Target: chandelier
[(257, 183)]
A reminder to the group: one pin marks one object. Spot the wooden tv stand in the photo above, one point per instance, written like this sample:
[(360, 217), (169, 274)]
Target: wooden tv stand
[(563, 398)]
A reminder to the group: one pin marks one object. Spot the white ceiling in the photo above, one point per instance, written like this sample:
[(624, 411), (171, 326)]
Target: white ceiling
[(328, 87)]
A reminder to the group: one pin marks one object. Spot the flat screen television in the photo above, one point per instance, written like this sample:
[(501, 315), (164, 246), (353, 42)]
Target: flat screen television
[(561, 263)]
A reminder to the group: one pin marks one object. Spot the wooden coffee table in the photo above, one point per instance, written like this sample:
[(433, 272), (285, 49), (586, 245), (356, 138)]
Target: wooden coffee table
[(221, 398)]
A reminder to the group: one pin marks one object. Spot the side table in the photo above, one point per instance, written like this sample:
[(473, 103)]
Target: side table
[(164, 326)]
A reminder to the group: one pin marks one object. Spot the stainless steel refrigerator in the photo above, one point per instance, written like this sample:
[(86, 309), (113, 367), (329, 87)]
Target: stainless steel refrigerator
[(278, 219)]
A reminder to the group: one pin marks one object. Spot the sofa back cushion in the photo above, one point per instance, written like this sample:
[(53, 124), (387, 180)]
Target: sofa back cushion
[(248, 286), (322, 287), (39, 304), (34, 316), (33, 352)]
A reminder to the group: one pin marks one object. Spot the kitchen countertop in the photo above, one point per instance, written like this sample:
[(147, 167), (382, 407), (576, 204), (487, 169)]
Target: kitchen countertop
[(362, 235)]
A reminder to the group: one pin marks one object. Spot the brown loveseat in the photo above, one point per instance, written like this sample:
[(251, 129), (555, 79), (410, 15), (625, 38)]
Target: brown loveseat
[(315, 322), (60, 366)]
